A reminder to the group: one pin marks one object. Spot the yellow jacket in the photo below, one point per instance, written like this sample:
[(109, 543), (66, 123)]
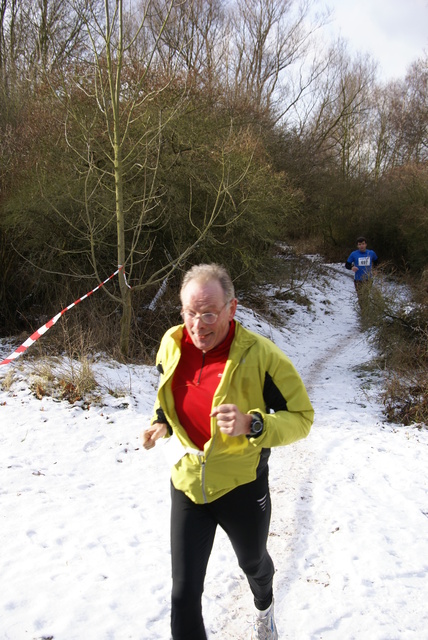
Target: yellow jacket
[(258, 377)]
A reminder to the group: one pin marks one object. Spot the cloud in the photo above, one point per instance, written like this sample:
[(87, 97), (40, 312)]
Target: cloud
[(394, 33)]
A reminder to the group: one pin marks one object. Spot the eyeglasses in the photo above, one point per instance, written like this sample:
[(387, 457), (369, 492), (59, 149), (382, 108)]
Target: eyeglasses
[(206, 318)]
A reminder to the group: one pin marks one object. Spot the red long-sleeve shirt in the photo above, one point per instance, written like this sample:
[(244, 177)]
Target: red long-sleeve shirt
[(196, 378)]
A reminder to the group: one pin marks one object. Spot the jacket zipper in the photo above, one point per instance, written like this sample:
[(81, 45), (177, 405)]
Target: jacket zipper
[(204, 495), (203, 463)]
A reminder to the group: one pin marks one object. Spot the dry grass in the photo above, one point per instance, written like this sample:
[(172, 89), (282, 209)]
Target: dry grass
[(71, 380), (8, 380), (406, 398), (399, 329)]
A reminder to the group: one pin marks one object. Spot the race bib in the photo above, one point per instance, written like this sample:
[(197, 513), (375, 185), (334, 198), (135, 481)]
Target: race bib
[(364, 262)]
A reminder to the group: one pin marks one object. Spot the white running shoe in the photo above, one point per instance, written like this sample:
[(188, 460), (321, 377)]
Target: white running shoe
[(264, 627)]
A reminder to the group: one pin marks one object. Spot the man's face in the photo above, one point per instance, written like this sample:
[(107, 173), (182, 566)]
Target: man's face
[(207, 297), (362, 246)]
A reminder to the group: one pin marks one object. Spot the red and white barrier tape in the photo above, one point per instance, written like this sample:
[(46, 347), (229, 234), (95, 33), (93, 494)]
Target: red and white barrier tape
[(37, 334)]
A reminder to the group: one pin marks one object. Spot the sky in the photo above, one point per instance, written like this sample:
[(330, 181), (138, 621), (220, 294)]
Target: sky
[(84, 510), (394, 32)]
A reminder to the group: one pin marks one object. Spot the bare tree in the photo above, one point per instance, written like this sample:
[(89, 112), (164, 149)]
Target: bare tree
[(118, 139), (400, 120), (385, 136), (412, 112), (37, 36), (267, 40), (3, 6), (338, 127), (10, 42), (193, 38)]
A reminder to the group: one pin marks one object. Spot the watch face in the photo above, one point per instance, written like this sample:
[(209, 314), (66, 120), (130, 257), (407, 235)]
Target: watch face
[(256, 426)]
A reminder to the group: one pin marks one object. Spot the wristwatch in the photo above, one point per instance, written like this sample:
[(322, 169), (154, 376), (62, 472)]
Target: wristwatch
[(256, 426)]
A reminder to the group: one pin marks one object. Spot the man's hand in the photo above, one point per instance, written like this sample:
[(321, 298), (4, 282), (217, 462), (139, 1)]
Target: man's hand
[(231, 420), (153, 433)]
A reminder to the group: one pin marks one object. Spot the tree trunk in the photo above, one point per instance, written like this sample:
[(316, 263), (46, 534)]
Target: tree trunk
[(125, 291), (125, 321)]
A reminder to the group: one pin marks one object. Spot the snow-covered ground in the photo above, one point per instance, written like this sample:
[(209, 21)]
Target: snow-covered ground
[(84, 510)]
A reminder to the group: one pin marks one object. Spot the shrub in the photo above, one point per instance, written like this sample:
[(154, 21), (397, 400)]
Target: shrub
[(397, 318)]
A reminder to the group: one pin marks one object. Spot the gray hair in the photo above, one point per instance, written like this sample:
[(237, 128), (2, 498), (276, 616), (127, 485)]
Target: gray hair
[(205, 273)]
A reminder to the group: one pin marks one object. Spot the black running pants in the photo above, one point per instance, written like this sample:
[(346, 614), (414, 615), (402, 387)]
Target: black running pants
[(244, 514)]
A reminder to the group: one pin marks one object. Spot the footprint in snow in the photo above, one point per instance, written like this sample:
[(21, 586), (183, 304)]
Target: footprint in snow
[(93, 444)]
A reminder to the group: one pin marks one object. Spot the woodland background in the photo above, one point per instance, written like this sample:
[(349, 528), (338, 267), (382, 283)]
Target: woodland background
[(159, 133)]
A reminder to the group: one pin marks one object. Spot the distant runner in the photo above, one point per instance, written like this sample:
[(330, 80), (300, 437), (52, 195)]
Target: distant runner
[(361, 262)]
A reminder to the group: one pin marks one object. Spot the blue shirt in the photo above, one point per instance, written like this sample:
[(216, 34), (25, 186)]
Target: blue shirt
[(364, 261)]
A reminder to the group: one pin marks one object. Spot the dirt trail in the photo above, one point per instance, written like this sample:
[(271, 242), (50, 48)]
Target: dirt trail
[(328, 350)]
